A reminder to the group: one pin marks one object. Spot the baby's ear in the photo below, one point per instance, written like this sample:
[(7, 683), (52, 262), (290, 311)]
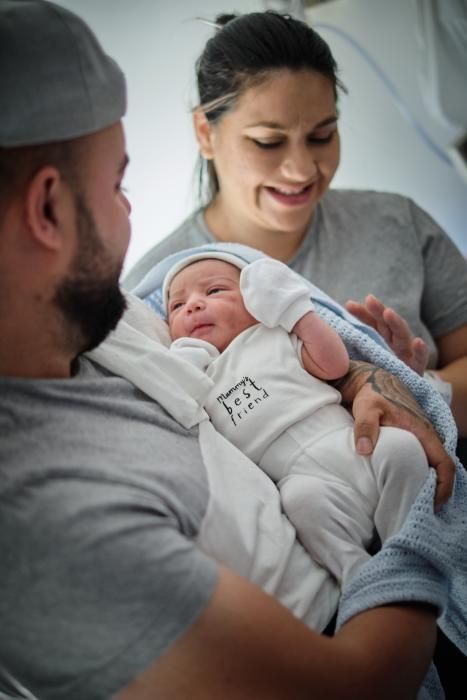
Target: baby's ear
[(204, 134)]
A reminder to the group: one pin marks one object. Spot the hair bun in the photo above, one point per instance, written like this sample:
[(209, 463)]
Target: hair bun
[(222, 20)]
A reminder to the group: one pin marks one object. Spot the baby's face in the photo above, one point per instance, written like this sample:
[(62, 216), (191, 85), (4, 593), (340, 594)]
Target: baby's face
[(205, 302)]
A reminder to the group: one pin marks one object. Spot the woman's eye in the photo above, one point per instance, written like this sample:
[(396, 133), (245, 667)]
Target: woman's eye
[(267, 144), (322, 139)]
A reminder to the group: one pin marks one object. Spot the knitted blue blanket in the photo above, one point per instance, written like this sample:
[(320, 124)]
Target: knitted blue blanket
[(427, 560)]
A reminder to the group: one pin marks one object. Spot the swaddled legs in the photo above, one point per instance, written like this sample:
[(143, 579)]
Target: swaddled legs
[(336, 499)]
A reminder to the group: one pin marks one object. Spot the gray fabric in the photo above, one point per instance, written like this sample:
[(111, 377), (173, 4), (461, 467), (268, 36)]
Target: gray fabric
[(361, 243), (191, 233), (100, 573), (56, 82)]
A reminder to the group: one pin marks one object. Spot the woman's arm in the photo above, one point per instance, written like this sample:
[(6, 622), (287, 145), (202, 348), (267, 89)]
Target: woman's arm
[(376, 398), (452, 368), (247, 645)]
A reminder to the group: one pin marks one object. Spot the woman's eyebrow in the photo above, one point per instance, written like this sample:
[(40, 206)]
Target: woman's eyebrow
[(276, 125)]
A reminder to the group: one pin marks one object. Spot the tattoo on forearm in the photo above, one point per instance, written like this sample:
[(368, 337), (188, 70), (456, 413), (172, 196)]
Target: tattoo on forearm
[(383, 383), (346, 384)]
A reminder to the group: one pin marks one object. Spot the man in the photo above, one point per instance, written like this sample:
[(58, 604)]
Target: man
[(105, 590)]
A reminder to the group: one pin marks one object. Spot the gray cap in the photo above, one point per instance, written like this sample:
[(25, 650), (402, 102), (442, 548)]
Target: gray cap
[(56, 82)]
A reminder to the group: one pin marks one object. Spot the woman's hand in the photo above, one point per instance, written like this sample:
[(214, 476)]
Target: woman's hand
[(377, 398), (395, 331)]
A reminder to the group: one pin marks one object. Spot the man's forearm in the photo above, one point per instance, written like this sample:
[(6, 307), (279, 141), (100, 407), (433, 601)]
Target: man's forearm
[(377, 398), (246, 645), (382, 382), (386, 631)]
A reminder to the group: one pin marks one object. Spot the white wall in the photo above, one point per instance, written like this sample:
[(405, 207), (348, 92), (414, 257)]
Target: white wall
[(156, 43), (380, 149)]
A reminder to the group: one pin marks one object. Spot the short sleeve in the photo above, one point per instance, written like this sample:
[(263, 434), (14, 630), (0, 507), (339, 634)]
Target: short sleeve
[(109, 582), (444, 299)]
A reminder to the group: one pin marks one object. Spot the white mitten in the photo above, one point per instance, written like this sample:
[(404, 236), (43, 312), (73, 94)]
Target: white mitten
[(274, 294), (198, 352)]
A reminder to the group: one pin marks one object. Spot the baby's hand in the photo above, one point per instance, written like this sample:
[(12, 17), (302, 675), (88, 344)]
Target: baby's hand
[(197, 352)]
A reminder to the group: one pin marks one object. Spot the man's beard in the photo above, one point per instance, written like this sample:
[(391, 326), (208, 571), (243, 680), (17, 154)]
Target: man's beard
[(89, 297)]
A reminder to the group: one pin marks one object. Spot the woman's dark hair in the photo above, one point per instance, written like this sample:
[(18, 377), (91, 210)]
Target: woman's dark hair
[(243, 51)]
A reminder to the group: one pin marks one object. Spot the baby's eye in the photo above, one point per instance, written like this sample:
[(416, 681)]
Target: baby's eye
[(215, 290), (176, 305)]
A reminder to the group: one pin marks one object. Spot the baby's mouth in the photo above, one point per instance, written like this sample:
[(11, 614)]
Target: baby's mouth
[(200, 328)]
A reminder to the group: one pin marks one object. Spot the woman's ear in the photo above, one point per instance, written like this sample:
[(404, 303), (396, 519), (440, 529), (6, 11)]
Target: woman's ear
[(204, 134), (44, 207)]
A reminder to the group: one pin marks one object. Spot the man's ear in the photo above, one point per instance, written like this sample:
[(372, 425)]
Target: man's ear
[(204, 132), (45, 201)]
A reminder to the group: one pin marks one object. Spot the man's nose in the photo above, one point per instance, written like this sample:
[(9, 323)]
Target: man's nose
[(127, 203)]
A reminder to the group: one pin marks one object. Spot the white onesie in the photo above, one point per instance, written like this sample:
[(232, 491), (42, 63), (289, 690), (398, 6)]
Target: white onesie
[(293, 426)]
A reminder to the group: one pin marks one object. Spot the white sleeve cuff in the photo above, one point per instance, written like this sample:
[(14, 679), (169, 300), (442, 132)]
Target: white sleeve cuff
[(274, 294), (444, 388)]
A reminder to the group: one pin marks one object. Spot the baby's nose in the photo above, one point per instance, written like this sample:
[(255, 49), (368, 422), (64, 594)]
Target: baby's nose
[(194, 303)]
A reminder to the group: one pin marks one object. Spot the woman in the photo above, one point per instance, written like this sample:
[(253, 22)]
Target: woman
[(268, 138)]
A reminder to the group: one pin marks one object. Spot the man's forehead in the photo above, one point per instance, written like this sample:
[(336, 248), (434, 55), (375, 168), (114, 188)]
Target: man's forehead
[(107, 147)]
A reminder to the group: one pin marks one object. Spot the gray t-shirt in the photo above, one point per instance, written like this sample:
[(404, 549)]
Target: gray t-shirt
[(362, 242), (100, 572)]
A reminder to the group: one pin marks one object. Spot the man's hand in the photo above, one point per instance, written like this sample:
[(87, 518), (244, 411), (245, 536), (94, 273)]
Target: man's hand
[(394, 329), (376, 398)]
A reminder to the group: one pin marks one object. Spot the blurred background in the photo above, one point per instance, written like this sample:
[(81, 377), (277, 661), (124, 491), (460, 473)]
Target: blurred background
[(403, 123)]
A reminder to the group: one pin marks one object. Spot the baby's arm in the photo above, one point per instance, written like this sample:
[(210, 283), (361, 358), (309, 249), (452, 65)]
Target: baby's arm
[(323, 353), (277, 296)]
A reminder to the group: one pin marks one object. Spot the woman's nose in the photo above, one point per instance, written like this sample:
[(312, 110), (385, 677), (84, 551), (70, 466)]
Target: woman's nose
[(298, 164)]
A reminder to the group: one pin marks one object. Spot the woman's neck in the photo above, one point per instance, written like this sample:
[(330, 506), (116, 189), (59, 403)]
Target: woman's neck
[(230, 227)]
